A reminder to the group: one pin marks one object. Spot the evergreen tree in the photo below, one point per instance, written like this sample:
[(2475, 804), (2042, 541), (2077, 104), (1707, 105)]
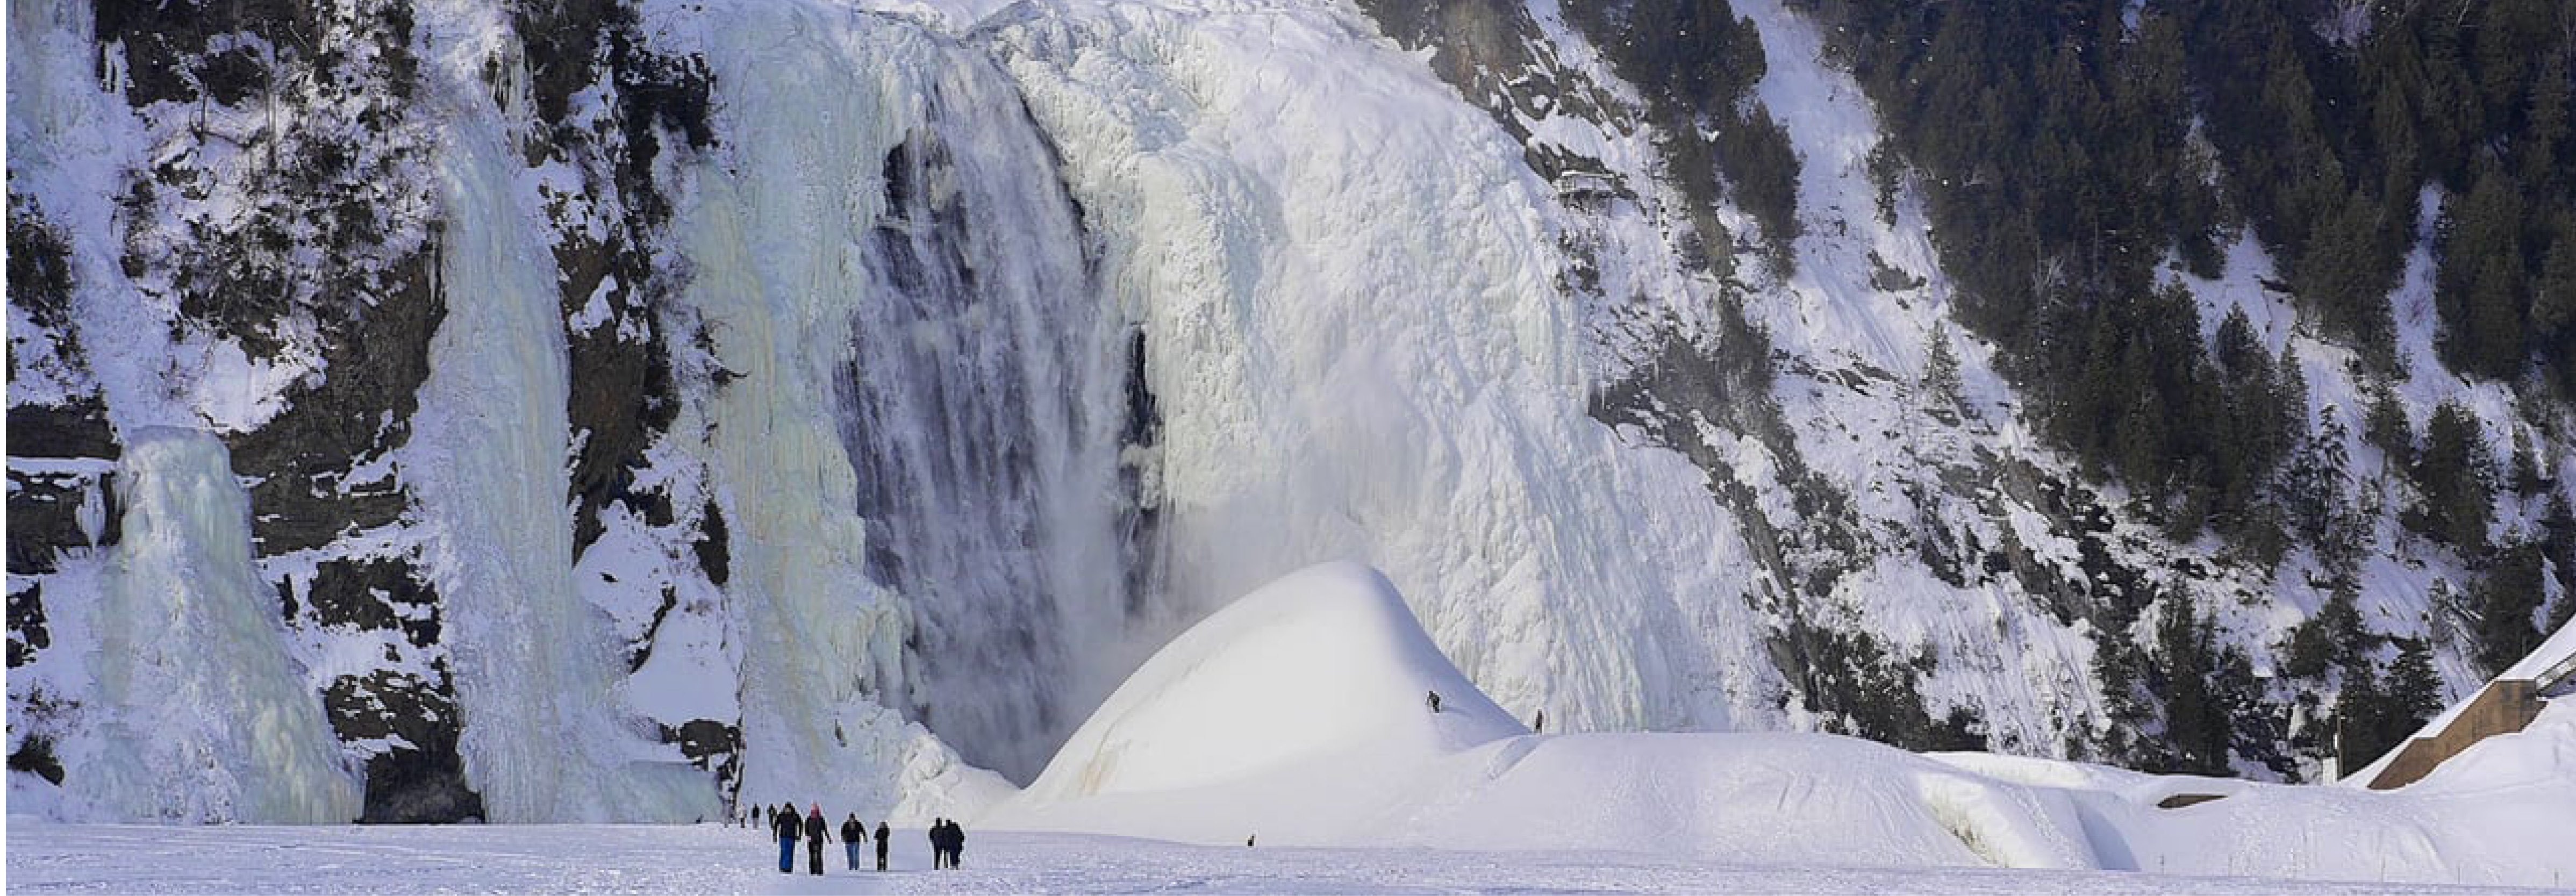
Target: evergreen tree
[(2481, 279), (2414, 690), (2528, 477), (2456, 474), (2388, 429), (2558, 546), (1944, 395), (2332, 639), (2506, 601), (2553, 302), (2363, 729), (2313, 497), (2346, 270), (2197, 728)]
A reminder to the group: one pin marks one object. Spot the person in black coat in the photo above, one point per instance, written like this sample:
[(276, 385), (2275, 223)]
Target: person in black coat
[(853, 833), (883, 836), (956, 843), (938, 834), (817, 833), (783, 826)]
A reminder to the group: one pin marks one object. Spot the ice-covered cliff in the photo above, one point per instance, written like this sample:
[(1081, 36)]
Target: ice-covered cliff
[(646, 406)]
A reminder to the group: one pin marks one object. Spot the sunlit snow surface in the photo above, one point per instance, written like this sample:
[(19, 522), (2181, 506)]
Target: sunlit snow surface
[(1297, 713), (51, 858)]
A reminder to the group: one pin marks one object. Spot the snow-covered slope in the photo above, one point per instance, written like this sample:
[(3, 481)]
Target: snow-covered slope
[(1293, 716)]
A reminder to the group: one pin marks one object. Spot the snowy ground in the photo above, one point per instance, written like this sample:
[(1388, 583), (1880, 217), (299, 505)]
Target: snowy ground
[(55, 858)]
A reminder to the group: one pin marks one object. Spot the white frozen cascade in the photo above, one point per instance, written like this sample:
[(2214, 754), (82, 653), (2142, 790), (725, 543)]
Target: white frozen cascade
[(921, 452), (1355, 327), (543, 739), (204, 719)]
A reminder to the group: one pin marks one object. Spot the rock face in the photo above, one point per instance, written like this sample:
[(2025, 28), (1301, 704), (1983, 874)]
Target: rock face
[(931, 366)]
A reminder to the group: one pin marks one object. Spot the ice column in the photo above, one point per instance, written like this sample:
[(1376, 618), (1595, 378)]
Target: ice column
[(203, 717), (546, 738)]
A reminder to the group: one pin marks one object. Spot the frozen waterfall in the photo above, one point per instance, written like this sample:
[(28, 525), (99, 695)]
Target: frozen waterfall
[(204, 719), (919, 436), (543, 737)]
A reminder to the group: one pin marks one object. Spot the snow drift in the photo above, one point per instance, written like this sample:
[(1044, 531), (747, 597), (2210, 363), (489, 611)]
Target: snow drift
[(1297, 714)]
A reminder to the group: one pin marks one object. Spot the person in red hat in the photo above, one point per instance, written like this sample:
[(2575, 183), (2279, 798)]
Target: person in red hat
[(817, 833)]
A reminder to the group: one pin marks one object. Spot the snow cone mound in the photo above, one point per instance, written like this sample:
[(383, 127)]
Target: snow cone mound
[(1291, 713)]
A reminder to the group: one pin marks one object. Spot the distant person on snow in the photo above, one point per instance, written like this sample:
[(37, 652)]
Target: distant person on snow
[(956, 843), (1435, 700), (883, 835), (938, 843), (784, 827), (817, 833), (853, 833)]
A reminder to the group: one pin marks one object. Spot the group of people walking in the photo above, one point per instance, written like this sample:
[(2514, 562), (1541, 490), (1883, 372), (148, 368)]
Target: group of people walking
[(947, 839)]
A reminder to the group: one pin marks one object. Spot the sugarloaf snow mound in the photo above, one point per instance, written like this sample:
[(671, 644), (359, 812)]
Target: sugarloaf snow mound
[(1284, 703)]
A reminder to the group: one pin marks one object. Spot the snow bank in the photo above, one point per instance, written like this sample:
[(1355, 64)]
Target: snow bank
[(2553, 655), (1297, 715), (2498, 814)]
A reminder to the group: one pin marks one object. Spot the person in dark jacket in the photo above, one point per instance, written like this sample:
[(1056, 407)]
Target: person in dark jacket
[(1435, 700), (883, 835), (938, 843), (817, 833), (853, 833), (956, 843), (784, 827)]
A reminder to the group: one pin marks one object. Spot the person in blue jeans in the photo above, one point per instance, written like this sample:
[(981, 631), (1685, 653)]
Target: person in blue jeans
[(784, 825), (854, 834)]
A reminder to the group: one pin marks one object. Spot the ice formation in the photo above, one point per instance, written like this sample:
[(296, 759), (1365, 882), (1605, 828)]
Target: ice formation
[(1362, 354), (543, 738), (204, 717), (921, 447)]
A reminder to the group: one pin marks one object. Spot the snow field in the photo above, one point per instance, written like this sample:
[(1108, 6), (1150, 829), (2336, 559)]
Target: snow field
[(48, 858)]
